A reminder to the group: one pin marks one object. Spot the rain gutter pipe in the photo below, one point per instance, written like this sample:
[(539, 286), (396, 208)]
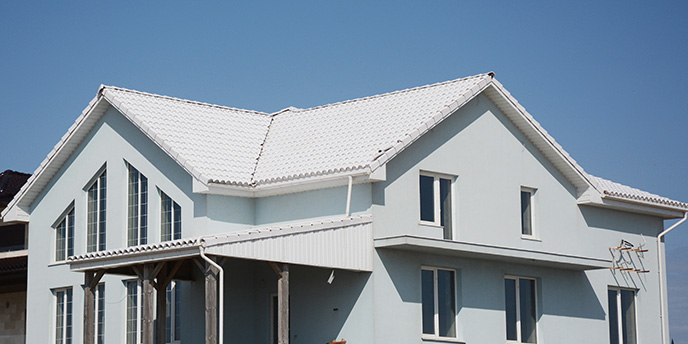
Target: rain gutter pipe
[(222, 292), (662, 297), (348, 196)]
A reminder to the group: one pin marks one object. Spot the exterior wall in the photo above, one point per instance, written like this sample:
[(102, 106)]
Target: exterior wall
[(12, 317), (492, 160)]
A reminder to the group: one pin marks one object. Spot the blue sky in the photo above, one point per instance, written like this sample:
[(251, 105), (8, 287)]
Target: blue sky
[(606, 79)]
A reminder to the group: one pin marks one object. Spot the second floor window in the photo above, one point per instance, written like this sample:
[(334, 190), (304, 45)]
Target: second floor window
[(527, 212), (137, 205), (436, 202), (170, 218), (64, 237), (95, 225)]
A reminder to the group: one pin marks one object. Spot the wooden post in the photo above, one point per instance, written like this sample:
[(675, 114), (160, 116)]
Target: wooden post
[(283, 306), (210, 304), (161, 306), (147, 303), (90, 282)]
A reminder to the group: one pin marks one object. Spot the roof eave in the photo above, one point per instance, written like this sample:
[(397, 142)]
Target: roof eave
[(634, 206)]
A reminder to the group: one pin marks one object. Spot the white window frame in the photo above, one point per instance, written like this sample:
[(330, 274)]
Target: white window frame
[(101, 209), (518, 308), (436, 201), (139, 310), (176, 212), (618, 310), (436, 320), (99, 331), (68, 218), (66, 315), (141, 238), (533, 212), (173, 312)]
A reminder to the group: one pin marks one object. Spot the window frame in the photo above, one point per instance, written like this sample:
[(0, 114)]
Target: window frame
[(67, 294), (519, 335), (175, 218), (619, 318), (437, 204), (139, 311), (99, 328), (99, 181), (533, 211), (67, 217), (142, 205), (436, 322)]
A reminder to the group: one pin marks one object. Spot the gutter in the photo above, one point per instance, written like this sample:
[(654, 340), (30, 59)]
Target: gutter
[(663, 299)]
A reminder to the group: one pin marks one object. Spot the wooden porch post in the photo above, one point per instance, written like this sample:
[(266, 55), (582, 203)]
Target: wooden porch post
[(283, 306), (147, 303), (161, 306), (210, 304), (90, 282)]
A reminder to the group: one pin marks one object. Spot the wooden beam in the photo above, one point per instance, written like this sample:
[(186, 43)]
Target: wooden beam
[(210, 304), (161, 305), (172, 272), (276, 269), (283, 306), (89, 308), (147, 303)]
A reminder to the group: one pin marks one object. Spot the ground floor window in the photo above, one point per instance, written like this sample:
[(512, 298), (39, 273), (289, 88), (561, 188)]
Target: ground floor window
[(134, 329), (438, 289), (133, 322), (99, 307), (63, 316), (173, 313), (622, 316), (521, 310)]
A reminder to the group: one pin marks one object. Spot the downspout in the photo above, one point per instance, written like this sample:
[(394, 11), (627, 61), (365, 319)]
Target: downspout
[(222, 292), (662, 297), (348, 197)]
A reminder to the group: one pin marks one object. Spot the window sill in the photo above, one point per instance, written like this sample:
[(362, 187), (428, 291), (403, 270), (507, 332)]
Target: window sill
[(430, 224), (435, 339), (530, 237)]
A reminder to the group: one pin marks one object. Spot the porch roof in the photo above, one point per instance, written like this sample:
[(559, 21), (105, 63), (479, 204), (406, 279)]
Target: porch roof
[(343, 243)]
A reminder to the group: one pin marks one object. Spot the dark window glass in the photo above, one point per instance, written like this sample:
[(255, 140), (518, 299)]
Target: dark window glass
[(445, 207), (628, 316), (613, 318), (510, 300), (427, 199), (446, 302), (526, 213), (528, 316), (428, 291)]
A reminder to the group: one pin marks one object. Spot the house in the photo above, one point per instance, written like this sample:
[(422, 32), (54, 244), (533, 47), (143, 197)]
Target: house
[(438, 214), (13, 262)]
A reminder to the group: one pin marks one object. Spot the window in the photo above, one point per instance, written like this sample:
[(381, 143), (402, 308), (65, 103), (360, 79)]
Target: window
[(521, 312), (170, 218), (99, 303), (63, 316), (436, 202), (95, 225), (134, 329), (438, 289), (173, 313), (64, 237), (621, 316), (137, 204), (527, 211)]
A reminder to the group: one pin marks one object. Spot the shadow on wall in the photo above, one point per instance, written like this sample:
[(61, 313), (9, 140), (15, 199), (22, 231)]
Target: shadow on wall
[(570, 294)]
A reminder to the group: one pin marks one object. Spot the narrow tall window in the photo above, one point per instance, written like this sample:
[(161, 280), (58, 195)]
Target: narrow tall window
[(527, 211), (521, 313), (63, 316), (173, 313), (137, 204), (622, 324), (95, 225), (170, 218), (436, 202), (64, 237), (438, 290), (133, 324), (99, 307)]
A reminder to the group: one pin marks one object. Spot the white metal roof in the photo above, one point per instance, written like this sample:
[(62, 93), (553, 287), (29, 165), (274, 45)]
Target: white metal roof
[(251, 150)]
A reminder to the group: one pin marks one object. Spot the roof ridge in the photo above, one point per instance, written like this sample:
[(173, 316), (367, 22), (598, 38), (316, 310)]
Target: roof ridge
[(392, 93), (260, 154), (195, 102)]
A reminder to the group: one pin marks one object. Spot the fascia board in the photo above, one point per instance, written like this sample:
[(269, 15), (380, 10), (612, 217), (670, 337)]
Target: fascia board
[(53, 161), (132, 259), (634, 206), (288, 187)]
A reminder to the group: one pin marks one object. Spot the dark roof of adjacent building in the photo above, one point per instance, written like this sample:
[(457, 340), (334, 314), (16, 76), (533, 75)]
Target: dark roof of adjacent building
[(10, 183)]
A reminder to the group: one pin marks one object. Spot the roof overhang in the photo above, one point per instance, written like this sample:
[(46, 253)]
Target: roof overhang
[(491, 252), (595, 199)]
